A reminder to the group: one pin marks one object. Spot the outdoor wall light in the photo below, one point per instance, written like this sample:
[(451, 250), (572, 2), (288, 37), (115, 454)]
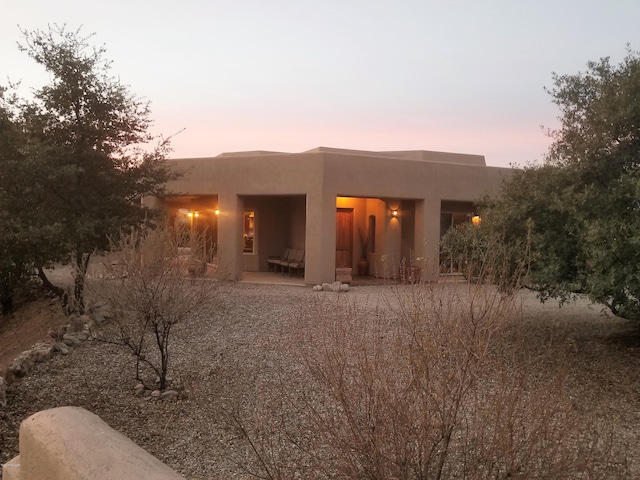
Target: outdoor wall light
[(217, 211), (194, 214), (394, 212), (476, 219)]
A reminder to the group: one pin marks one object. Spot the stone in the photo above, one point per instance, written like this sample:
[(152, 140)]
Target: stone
[(156, 394), (335, 286), (326, 287), (82, 336), (75, 323), (169, 395), (139, 390), (70, 339), (41, 352), (317, 288), (60, 347), (21, 364), (57, 332), (100, 312), (3, 392), (344, 287)]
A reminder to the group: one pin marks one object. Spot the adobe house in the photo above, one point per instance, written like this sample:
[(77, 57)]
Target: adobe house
[(250, 206)]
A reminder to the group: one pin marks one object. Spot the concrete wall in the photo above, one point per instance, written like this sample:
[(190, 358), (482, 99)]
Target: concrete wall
[(70, 443)]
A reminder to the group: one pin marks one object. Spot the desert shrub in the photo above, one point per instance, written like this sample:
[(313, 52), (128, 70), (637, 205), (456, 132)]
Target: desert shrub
[(429, 382), (152, 290)]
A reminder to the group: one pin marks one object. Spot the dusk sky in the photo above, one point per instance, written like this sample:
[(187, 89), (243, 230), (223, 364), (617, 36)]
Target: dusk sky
[(461, 76)]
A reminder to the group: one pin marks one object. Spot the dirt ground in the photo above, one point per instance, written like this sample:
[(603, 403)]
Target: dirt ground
[(28, 326), (30, 322)]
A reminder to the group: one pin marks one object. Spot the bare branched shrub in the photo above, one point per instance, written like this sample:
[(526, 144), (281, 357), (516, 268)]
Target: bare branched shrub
[(152, 291), (430, 382), (447, 396)]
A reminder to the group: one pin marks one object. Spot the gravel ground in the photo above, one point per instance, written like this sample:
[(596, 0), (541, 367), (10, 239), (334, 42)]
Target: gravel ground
[(245, 359)]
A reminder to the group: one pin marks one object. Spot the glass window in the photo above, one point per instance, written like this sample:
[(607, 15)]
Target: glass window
[(248, 236)]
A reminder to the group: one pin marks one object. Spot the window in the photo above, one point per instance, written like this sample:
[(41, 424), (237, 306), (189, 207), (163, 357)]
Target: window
[(448, 220), (248, 236)]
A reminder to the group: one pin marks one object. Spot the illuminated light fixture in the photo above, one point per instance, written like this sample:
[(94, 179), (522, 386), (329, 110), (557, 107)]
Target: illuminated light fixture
[(476, 219), (394, 212), (217, 211), (194, 214)]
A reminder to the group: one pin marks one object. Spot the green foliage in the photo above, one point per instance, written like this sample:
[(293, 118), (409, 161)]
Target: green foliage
[(75, 155), (580, 208), (487, 252)]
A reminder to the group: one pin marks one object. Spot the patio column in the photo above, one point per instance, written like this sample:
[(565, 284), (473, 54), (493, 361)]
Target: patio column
[(427, 236), (320, 256), (230, 235)]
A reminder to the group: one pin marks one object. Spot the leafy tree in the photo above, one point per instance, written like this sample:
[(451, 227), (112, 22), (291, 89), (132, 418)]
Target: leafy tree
[(14, 263), (82, 158), (581, 208)]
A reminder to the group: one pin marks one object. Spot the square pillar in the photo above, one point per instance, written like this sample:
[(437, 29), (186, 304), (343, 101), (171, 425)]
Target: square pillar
[(320, 256), (230, 227), (427, 236)]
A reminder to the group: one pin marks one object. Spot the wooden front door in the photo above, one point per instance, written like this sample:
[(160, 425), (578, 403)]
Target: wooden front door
[(344, 237)]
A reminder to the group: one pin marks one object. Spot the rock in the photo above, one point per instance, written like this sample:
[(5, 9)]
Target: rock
[(21, 364), (70, 339), (169, 395), (41, 352), (139, 390), (3, 392), (57, 332), (75, 323), (82, 336), (60, 347), (156, 394), (99, 317), (332, 287)]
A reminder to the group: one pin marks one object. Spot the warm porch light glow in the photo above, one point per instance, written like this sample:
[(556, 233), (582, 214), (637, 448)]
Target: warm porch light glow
[(217, 211), (194, 214), (476, 220), (394, 213)]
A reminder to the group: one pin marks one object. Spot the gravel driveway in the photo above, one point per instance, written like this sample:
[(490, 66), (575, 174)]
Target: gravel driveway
[(246, 356)]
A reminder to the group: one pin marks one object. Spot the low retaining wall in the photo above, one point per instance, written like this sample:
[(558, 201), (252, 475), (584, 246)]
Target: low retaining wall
[(70, 443)]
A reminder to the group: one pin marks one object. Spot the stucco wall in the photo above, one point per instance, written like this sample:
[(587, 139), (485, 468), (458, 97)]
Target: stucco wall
[(419, 180), (70, 443)]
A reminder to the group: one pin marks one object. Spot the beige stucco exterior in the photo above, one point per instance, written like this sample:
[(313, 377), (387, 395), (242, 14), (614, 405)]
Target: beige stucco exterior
[(70, 443), (294, 197)]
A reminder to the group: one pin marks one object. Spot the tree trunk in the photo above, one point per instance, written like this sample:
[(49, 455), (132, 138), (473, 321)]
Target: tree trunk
[(48, 286), (82, 264)]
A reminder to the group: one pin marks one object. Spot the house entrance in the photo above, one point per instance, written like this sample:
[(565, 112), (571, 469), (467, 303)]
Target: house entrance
[(344, 237)]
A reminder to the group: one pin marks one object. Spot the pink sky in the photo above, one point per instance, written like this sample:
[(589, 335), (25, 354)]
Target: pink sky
[(291, 75)]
